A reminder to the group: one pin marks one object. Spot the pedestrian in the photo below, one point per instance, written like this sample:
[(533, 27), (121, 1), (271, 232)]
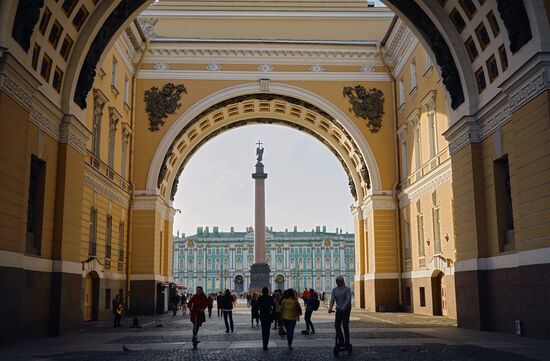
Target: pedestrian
[(210, 300), (218, 305), (117, 310), (276, 315), (290, 313), (183, 304), (248, 299), (226, 304), (174, 301), (254, 310), (197, 305), (312, 304), (266, 306), (341, 294), (305, 294)]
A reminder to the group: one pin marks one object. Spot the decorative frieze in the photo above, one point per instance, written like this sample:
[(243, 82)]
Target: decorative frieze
[(109, 191), (213, 67), (316, 68), (529, 89), (265, 68), (161, 66), (74, 134), (426, 185)]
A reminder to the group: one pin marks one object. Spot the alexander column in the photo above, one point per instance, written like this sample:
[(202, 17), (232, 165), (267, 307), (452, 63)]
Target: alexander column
[(259, 271)]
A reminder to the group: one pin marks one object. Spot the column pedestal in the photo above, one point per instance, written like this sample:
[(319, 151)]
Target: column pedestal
[(259, 277)]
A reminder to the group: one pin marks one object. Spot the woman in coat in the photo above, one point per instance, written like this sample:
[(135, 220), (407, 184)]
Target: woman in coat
[(197, 305), (290, 313)]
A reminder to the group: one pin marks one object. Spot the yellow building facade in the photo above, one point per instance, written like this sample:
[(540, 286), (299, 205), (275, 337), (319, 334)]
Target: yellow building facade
[(103, 103)]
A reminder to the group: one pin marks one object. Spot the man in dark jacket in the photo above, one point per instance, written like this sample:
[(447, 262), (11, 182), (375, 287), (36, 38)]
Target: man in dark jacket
[(226, 304), (266, 306), (312, 303)]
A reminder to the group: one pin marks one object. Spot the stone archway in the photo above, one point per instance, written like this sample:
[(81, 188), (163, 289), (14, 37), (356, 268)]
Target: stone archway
[(283, 104)]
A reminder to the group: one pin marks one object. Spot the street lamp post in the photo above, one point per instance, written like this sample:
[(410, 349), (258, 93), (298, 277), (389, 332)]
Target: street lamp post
[(223, 274)]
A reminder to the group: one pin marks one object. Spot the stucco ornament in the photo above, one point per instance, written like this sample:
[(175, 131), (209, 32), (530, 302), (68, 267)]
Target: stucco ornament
[(366, 104), (161, 103)]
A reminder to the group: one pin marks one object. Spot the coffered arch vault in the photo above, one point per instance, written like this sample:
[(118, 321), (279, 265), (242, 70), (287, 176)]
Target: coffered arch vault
[(283, 105)]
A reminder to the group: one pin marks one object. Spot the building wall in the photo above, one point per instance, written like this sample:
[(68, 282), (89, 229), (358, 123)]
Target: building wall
[(308, 259)]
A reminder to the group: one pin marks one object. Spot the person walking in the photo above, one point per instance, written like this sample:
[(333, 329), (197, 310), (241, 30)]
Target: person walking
[(218, 303), (254, 311), (248, 299), (174, 302), (266, 306), (290, 313), (312, 304), (226, 304), (117, 310), (277, 315), (210, 300), (183, 304), (341, 295), (197, 305)]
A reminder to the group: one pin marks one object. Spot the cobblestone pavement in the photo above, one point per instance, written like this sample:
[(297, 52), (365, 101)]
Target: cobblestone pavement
[(375, 336)]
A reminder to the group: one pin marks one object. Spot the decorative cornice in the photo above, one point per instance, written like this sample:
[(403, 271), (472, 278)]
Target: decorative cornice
[(208, 54), (16, 81), (534, 80), (95, 182), (377, 202), (402, 132), (74, 133), (414, 118), (255, 75), (426, 185)]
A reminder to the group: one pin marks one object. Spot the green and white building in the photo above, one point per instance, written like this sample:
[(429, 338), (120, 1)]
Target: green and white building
[(298, 259)]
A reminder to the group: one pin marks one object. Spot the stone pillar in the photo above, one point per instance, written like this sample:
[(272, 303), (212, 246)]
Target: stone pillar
[(259, 271)]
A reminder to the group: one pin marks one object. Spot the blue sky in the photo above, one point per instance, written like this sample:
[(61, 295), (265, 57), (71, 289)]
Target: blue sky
[(306, 184)]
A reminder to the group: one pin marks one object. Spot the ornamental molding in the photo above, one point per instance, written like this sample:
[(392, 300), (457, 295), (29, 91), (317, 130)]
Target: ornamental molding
[(148, 203), (74, 134), (402, 133), (396, 40), (533, 82), (148, 26), (414, 118), (316, 68), (95, 182), (161, 66), (255, 75), (213, 67), (429, 101), (366, 69), (377, 202), (405, 55), (426, 185), (265, 68), (16, 81), (279, 55)]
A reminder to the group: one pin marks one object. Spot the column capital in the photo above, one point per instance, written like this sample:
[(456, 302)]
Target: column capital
[(74, 133), (383, 201)]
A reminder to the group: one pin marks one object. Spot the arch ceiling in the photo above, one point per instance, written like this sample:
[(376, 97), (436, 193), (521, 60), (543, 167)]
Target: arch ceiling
[(244, 105)]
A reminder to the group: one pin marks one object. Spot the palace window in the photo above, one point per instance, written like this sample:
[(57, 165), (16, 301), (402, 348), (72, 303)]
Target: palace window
[(280, 262), (420, 231), (209, 264), (417, 144), (427, 61), (121, 244), (432, 128), (96, 129), (436, 224), (422, 297), (503, 197), (108, 239), (401, 92), (407, 222), (35, 205), (113, 122), (351, 263), (124, 152), (413, 75), (402, 133), (126, 90), (114, 72), (92, 237)]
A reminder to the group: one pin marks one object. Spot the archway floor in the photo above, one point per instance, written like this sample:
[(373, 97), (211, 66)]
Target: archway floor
[(375, 336)]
